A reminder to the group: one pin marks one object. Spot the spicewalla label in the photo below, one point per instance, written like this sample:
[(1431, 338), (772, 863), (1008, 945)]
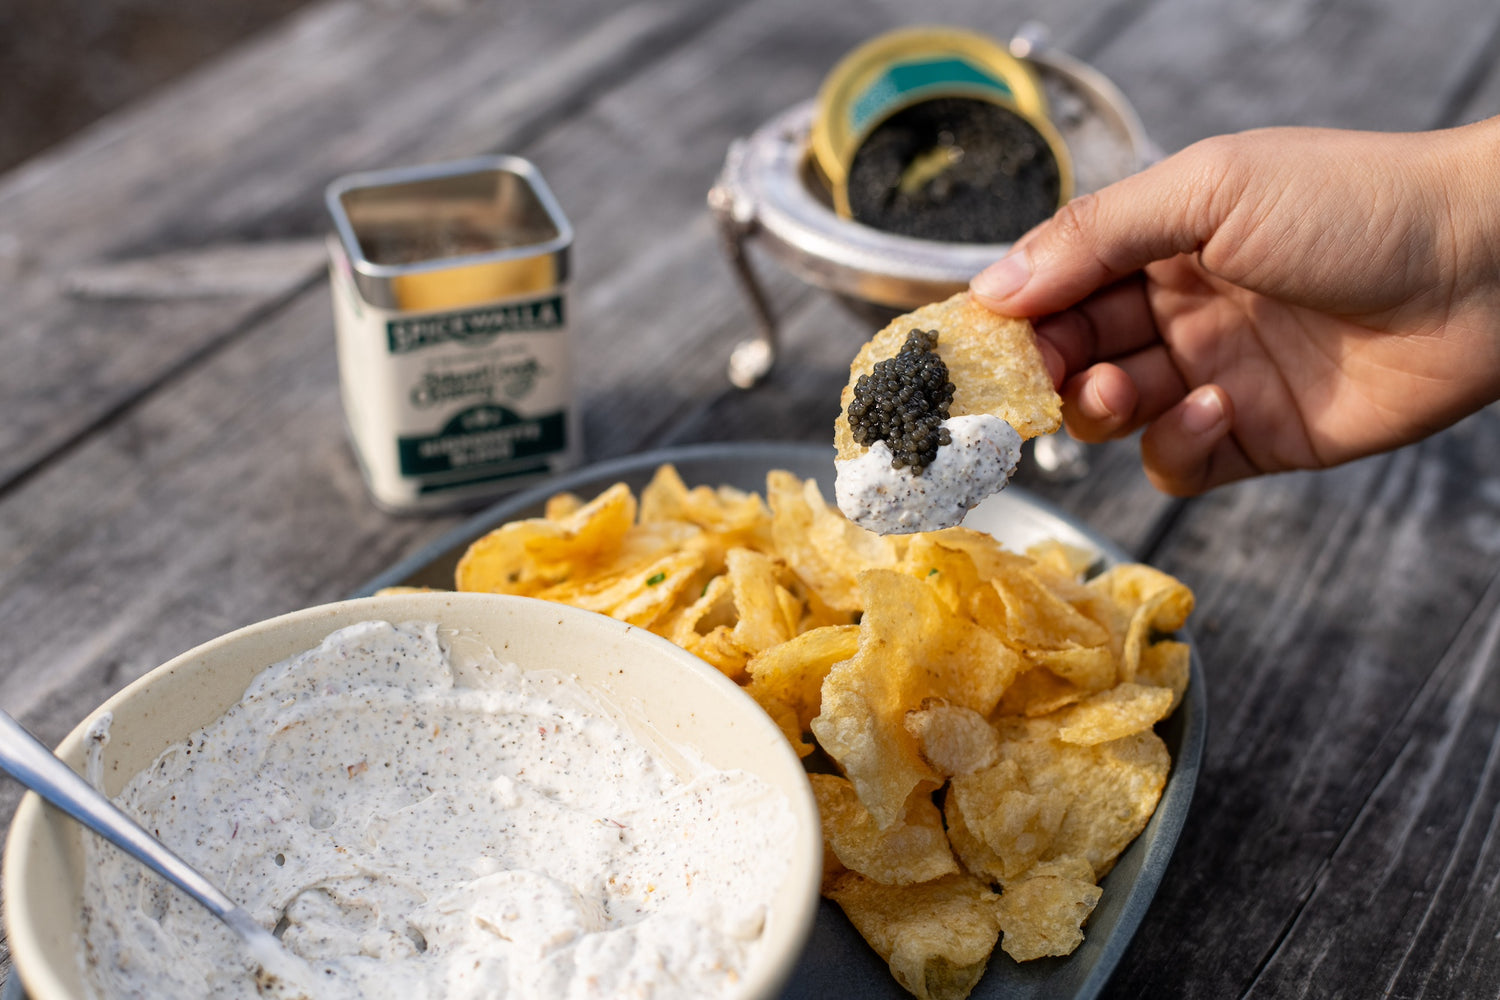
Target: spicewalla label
[(477, 326)]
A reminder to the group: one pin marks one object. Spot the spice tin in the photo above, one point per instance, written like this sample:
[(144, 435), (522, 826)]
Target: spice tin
[(899, 69), (449, 287)]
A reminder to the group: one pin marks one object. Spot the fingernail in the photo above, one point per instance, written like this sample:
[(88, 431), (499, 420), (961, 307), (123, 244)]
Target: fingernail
[(1202, 411), (1093, 404), (1005, 277)]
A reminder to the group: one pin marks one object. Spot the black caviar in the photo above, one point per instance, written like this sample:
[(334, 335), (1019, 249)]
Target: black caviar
[(954, 169), (903, 402)]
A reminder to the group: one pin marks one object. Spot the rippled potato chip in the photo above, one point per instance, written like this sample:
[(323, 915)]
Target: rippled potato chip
[(1016, 822), (1106, 793), (937, 936), (913, 850), (561, 505), (523, 557), (793, 671), (1114, 714), (767, 611), (1037, 618), (912, 646), (1062, 560), (1154, 601), (1038, 692), (953, 739), (1167, 664), (639, 593), (728, 518), (991, 712), (993, 363), (820, 544), (1042, 913)]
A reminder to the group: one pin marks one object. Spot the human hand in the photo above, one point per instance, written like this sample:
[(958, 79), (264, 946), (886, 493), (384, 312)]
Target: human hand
[(1280, 299)]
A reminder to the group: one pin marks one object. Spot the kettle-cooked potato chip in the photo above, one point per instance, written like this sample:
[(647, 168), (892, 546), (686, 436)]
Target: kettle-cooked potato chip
[(793, 671), (819, 544), (953, 739), (1121, 711), (523, 557), (1042, 913), (937, 936), (914, 850), (912, 646), (1167, 664)]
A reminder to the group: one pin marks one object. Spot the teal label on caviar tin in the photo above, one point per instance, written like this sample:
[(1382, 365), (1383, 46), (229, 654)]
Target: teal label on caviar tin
[(906, 83)]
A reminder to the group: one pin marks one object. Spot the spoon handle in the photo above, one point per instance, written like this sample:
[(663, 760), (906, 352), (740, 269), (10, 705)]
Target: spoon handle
[(24, 758)]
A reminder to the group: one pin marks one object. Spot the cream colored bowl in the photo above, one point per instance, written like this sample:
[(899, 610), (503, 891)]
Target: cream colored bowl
[(669, 691)]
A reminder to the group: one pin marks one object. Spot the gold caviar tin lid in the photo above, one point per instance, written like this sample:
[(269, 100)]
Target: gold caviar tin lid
[(907, 67)]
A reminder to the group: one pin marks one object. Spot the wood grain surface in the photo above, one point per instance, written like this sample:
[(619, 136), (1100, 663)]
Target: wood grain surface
[(175, 465)]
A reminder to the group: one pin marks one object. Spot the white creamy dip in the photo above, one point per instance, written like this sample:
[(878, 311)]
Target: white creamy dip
[(979, 462), (418, 825)]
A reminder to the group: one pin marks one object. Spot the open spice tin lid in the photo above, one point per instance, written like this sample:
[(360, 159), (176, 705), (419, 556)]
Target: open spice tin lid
[(450, 235), (895, 73)]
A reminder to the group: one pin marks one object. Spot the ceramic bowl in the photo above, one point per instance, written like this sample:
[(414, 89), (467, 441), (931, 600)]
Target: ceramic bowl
[(660, 688)]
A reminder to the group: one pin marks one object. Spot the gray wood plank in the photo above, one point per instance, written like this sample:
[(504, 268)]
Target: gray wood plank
[(1200, 68), (1328, 606), (1477, 94), (1407, 894), (231, 496)]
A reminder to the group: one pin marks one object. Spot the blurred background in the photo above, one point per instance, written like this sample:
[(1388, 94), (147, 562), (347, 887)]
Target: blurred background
[(65, 63)]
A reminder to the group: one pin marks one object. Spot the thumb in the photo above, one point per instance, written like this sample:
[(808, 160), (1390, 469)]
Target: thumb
[(1095, 239)]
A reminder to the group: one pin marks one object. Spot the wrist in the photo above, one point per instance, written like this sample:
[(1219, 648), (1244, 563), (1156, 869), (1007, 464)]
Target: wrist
[(1468, 173), (1472, 169)]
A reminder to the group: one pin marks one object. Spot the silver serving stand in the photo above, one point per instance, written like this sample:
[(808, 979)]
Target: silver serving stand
[(767, 195)]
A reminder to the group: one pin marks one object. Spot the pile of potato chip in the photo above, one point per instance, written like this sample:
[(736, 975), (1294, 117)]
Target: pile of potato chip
[(978, 722)]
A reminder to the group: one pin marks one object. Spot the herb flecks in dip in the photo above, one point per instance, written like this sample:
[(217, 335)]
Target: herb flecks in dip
[(417, 825)]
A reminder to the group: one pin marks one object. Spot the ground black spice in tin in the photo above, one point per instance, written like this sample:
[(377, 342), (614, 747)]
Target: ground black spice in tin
[(954, 169)]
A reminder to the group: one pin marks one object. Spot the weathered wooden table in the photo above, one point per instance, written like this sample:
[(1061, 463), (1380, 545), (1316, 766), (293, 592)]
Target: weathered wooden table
[(173, 463)]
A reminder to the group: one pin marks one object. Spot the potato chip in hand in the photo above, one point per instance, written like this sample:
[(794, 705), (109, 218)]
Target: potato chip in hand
[(932, 419)]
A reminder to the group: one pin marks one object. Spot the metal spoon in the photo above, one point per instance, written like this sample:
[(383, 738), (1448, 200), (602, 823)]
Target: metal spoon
[(26, 759)]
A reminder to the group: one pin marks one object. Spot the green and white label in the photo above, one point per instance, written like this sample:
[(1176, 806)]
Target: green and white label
[(474, 327)]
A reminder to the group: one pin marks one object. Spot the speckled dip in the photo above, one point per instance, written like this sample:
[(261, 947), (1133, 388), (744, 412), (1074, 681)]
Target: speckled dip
[(670, 698)]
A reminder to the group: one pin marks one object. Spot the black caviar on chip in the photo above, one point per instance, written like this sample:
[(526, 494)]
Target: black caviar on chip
[(903, 402)]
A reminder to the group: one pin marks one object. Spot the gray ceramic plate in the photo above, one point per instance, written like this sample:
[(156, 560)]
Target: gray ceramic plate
[(837, 961)]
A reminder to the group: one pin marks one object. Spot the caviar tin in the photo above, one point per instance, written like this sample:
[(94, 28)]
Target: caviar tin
[(899, 69), (772, 200), (449, 289)]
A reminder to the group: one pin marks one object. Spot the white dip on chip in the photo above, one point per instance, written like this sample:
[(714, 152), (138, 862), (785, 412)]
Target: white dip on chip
[(979, 461), (424, 825)]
